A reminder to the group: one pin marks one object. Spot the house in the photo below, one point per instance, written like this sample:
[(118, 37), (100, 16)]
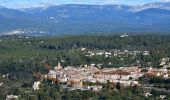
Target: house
[(92, 80), (115, 54), (163, 70), (99, 53), (102, 81), (75, 83), (52, 74), (114, 81), (95, 88), (1, 84), (146, 53), (136, 76), (125, 77), (12, 97), (162, 63), (166, 76), (36, 85), (92, 64), (108, 53), (92, 54), (147, 94), (165, 59), (85, 66), (125, 83), (99, 65), (162, 96), (106, 56), (58, 67), (63, 79), (125, 35), (83, 49), (133, 83)]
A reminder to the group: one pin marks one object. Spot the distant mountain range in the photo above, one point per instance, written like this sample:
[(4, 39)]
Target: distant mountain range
[(86, 19)]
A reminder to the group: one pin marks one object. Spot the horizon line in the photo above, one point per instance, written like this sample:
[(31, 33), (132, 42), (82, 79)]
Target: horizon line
[(50, 5)]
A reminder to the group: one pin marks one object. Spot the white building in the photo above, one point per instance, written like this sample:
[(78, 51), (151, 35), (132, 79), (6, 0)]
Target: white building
[(99, 53), (166, 76), (108, 53), (125, 77), (1, 84), (124, 35), (11, 97), (162, 63), (162, 96), (146, 53), (83, 49), (52, 74), (36, 85), (147, 94), (58, 67), (95, 88)]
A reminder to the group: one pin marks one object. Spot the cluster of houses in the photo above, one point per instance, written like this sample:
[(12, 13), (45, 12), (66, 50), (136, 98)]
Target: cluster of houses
[(93, 78), (106, 54), (115, 53), (161, 97), (75, 78), (161, 72)]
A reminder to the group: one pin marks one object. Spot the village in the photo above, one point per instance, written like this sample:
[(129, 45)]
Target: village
[(85, 69), (73, 78), (93, 76)]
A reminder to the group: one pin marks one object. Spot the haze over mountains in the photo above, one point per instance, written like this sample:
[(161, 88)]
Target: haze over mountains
[(86, 19)]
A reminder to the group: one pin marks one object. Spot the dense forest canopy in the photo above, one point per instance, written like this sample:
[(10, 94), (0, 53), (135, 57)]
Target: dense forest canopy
[(23, 56)]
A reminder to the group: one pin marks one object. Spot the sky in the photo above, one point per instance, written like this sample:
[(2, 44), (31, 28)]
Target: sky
[(44, 3)]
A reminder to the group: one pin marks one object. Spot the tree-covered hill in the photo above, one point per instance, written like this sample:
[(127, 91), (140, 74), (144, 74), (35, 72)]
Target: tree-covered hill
[(22, 57)]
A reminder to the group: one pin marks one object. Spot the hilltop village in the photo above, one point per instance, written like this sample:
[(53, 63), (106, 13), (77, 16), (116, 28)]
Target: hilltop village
[(76, 78), (93, 76), (85, 68)]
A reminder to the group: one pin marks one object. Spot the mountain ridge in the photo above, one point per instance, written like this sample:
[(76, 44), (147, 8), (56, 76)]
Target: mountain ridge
[(72, 18)]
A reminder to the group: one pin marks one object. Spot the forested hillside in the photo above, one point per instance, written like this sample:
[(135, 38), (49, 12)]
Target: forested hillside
[(22, 57)]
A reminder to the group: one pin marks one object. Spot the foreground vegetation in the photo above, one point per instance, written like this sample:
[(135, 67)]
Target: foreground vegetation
[(22, 57)]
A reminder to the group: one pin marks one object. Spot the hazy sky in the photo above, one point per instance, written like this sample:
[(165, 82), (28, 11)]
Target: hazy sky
[(36, 3)]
